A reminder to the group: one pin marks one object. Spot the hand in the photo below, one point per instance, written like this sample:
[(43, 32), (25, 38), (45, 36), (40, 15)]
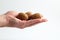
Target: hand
[(14, 22)]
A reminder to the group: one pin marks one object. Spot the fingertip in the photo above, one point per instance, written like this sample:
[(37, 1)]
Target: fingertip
[(44, 20)]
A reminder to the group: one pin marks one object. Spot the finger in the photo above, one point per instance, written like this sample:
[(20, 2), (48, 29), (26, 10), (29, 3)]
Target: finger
[(44, 20), (35, 21), (12, 13)]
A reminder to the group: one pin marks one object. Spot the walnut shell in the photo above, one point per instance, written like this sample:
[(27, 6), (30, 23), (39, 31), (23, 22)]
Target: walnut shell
[(28, 13), (22, 16), (35, 16)]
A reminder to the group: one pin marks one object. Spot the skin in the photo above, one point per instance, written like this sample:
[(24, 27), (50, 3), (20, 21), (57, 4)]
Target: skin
[(9, 19)]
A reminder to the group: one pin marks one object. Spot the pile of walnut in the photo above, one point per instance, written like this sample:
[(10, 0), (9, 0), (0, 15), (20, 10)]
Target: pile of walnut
[(28, 16)]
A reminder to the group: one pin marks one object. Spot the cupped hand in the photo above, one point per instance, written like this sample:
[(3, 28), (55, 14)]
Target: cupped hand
[(14, 22)]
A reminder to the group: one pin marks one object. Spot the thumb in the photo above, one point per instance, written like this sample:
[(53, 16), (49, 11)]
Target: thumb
[(12, 13)]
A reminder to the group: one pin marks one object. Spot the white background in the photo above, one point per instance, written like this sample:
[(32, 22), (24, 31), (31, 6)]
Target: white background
[(45, 31)]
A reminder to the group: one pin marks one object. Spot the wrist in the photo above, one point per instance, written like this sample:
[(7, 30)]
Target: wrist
[(3, 20)]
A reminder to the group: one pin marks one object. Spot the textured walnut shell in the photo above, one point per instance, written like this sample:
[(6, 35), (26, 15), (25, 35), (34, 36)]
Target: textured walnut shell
[(22, 16), (29, 14), (35, 16)]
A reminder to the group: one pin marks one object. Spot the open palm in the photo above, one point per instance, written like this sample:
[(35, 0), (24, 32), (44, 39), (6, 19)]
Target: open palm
[(14, 22)]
